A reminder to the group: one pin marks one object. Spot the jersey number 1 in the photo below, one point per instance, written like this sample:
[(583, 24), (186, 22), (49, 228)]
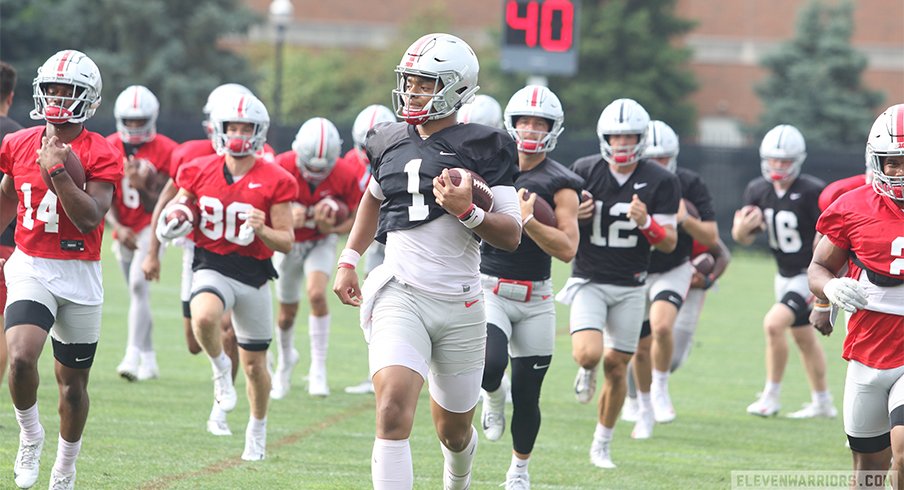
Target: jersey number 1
[(418, 210)]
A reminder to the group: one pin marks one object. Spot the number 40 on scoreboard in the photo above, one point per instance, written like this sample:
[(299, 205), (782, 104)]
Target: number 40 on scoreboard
[(540, 37)]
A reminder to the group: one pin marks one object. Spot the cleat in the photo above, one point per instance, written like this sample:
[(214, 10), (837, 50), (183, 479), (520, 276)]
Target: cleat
[(317, 385), (283, 375), (128, 368), (663, 411), (643, 428), (148, 368), (599, 454), (493, 412), (218, 427), (585, 384), (28, 462), (814, 410), (517, 481), (630, 409), (59, 481), (363, 388), (224, 389), (764, 406)]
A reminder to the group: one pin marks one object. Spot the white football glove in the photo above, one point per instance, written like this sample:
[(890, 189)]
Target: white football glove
[(846, 293), (168, 231)]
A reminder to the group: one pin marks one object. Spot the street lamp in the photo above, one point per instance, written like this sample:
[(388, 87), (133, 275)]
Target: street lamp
[(281, 14)]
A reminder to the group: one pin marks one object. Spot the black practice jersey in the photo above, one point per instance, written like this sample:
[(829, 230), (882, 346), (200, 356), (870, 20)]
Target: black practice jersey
[(530, 262), (612, 250), (404, 165), (790, 220), (693, 189)]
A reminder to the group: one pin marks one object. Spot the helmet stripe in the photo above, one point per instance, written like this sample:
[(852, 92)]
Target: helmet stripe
[(322, 138), (534, 97), (899, 125), (241, 107), (373, 118), (62, 65), (621, 112), (135, 98), (416, 51)]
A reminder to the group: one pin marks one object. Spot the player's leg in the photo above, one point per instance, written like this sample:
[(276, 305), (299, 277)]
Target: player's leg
[(812, 355), (686, 326), (212, 295), (140, 323), (188, 254), (128, 367), (896, 419), (587, 320), (775, 324), (318, 266), (499, 330), (667, 296), (288, 294), (5, 252), (866, 415), (638, 406)]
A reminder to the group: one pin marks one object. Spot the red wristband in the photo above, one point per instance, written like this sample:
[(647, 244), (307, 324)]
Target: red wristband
[(54, 169), (464, 216), (346, 265), (654, 233)]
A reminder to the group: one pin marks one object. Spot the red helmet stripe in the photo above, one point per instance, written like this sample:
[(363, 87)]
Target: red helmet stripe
[(62, 64), (241, 107), (135, 98), (373, 117), (534, 97), (322, 138), (899, 124), (416, 51)]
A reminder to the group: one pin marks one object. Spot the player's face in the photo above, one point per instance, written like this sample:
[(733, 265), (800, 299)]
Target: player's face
[(893, 166), (421, 90), (780, 165), (623, 140), (532, 124), (239, 129), (59, 94), (134, 123)]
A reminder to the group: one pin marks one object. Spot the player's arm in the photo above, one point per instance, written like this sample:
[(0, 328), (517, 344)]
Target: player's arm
[(167, 194), (561, 241), (747, 222), (722, 255), (845, 292), (705, 232), (124, 234), (360, 237), (663, 237), (501, 228), (279, 236), (9, 200)]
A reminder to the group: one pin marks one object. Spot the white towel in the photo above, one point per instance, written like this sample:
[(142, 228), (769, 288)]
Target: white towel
[(376, 279)]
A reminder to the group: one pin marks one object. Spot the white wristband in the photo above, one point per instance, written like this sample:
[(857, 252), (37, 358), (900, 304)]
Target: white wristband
[(647, 224), (350, 257), (822, 309), (475, 218), (529, 217)]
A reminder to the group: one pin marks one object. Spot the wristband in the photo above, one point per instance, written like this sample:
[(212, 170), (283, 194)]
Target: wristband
[(653, 232), (529, 217), (56, 170), (466, 214), (348, 258), (822, 309), (819, 303), (475, 218)]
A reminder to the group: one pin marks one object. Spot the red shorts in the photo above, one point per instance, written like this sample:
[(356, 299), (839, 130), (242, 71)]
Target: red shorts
[(5, 252)]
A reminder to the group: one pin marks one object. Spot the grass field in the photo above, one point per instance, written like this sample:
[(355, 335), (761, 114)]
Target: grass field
[(152, 435)]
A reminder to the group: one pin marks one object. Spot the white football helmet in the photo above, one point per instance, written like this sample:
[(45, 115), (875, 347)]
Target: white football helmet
[(317, 146), (623, 116), (886, 138), (662, 142), (539, 101), (73, 68), (482, 109), (136, 102), (239, 108), (442, 57), (783, 142), (223, 91), (368, 118)]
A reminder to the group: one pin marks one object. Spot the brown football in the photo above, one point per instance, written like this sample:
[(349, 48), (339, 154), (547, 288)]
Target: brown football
[(543, 212), (481, 195), (183, 208), (704, 263), (336, 208), (586, 196), (75, 169)]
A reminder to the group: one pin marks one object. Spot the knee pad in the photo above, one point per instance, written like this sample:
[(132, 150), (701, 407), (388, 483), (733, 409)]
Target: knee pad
[(870, 444), (799, 307), (186, 309), (671, 297), (496, 358), (645, 329), (527, 376)]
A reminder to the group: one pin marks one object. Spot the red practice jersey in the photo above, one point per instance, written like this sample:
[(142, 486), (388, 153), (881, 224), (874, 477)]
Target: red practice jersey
[(872, 227), (341, 184), (43, 229), (223, 204), (359, 159), (192, 149), (157, 152), (834, 190)]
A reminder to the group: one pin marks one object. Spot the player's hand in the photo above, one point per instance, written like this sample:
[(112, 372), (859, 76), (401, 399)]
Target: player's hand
[(527, 206), (52, 152), (637, 211), (324, 219), (699, 281), (346, 287), (299, 215), (136, 169), (821, 321), (455, 199), (127, 237), (151, 267), (846, 293), (586, 209), (255, 219), (749, 219), (168, 231), (682, 211)]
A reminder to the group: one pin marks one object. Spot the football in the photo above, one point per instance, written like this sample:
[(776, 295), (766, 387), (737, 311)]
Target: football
[(481, 195), (691, 209), (704, 263), (182, 209), (74, 166), (335, 208), (543, 212), (586, 196)]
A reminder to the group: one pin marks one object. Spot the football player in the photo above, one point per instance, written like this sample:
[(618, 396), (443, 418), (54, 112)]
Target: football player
[(784, 203), (667, 285), (484, 109), (54, 276), (146, 161), (245, 216), (521, 316), (315, 164), (423, 312), (865, 227), (633, 209)]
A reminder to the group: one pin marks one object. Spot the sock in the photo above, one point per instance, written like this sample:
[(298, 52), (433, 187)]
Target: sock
[(661, 379), (519, 465), (148, 357), (645, 403), (286, 342), (821, 397), (220, 363), (67, 453), (603, 433), (216, 413), (459, 464), (390, 464), (30, 423), (319, 331), (772, 389), (257, 426)]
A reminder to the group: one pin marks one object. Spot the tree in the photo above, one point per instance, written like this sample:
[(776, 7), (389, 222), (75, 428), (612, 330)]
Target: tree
[(815, 80)]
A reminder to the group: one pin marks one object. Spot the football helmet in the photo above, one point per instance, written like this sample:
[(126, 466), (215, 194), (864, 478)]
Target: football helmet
[(662, 142), (216, 94), (68, 67), (444, 58), (482, 109), (886, 138), (368, 118), (136, 102), (783, 142), (623, 116), (538, 101), (317, 146), (243, 108)]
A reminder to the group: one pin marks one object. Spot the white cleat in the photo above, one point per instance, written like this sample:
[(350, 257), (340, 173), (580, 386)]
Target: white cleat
[(317, 385), (643, 428), (585, 384), (493, 412), (28, 462), (255, 446), (663, 410), (362, 388), (814, 410), (764, 406), (517, 481), (599, 454), (629, 409), (148, 368), (282, 376), (59, 481), (224, 389), (218, 427), (128, 368)]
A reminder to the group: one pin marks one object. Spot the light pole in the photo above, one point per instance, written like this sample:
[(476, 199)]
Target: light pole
[(281, 14)]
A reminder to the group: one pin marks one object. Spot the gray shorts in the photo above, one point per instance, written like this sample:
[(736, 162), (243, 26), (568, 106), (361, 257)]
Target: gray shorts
[(73, 323), (529, 326), (305, 257), (616, 311), (870, 395), (252, 308)]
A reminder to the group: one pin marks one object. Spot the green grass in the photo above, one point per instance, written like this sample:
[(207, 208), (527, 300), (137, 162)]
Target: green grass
[(151, 434)]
